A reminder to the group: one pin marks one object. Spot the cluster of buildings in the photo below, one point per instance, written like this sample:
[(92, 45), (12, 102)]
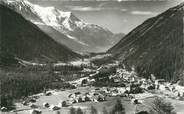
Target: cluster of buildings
[(76, 97), (92, 96), (133, 84)]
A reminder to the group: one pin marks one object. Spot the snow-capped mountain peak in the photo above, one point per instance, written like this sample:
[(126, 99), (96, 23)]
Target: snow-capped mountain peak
[(49, 15), (90, 37)]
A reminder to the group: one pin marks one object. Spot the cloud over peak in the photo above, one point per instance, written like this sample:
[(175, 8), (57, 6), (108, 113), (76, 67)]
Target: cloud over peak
[(90, 8), (143, 13)]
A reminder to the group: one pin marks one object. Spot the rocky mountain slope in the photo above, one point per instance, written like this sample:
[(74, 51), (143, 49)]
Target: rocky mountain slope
[(66, 28), (24, 40), (156, 46)]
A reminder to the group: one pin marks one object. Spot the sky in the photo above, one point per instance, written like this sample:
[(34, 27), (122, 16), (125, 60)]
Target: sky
[(119, 16)]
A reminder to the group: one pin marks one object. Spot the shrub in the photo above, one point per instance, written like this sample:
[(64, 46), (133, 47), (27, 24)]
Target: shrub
[(160, 106), (105, 110), (118, 108), (93, 110), (79, 111), (72, 110)]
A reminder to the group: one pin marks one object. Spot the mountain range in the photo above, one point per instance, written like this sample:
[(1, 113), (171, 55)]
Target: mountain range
[(22, 39), (40, 34), (156, 46), (65, 28)]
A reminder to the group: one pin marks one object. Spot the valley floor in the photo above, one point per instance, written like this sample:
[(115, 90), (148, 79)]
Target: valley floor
[(130, 108), (111, 93)]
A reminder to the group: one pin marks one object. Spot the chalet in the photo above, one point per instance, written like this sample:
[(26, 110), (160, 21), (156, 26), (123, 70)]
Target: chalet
[(33, 106), (53, 107), (46, 105), (35, 111), (3, 109)]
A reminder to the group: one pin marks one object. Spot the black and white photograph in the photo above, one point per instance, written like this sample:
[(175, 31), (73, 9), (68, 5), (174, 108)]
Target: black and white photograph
[(91, 56)]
